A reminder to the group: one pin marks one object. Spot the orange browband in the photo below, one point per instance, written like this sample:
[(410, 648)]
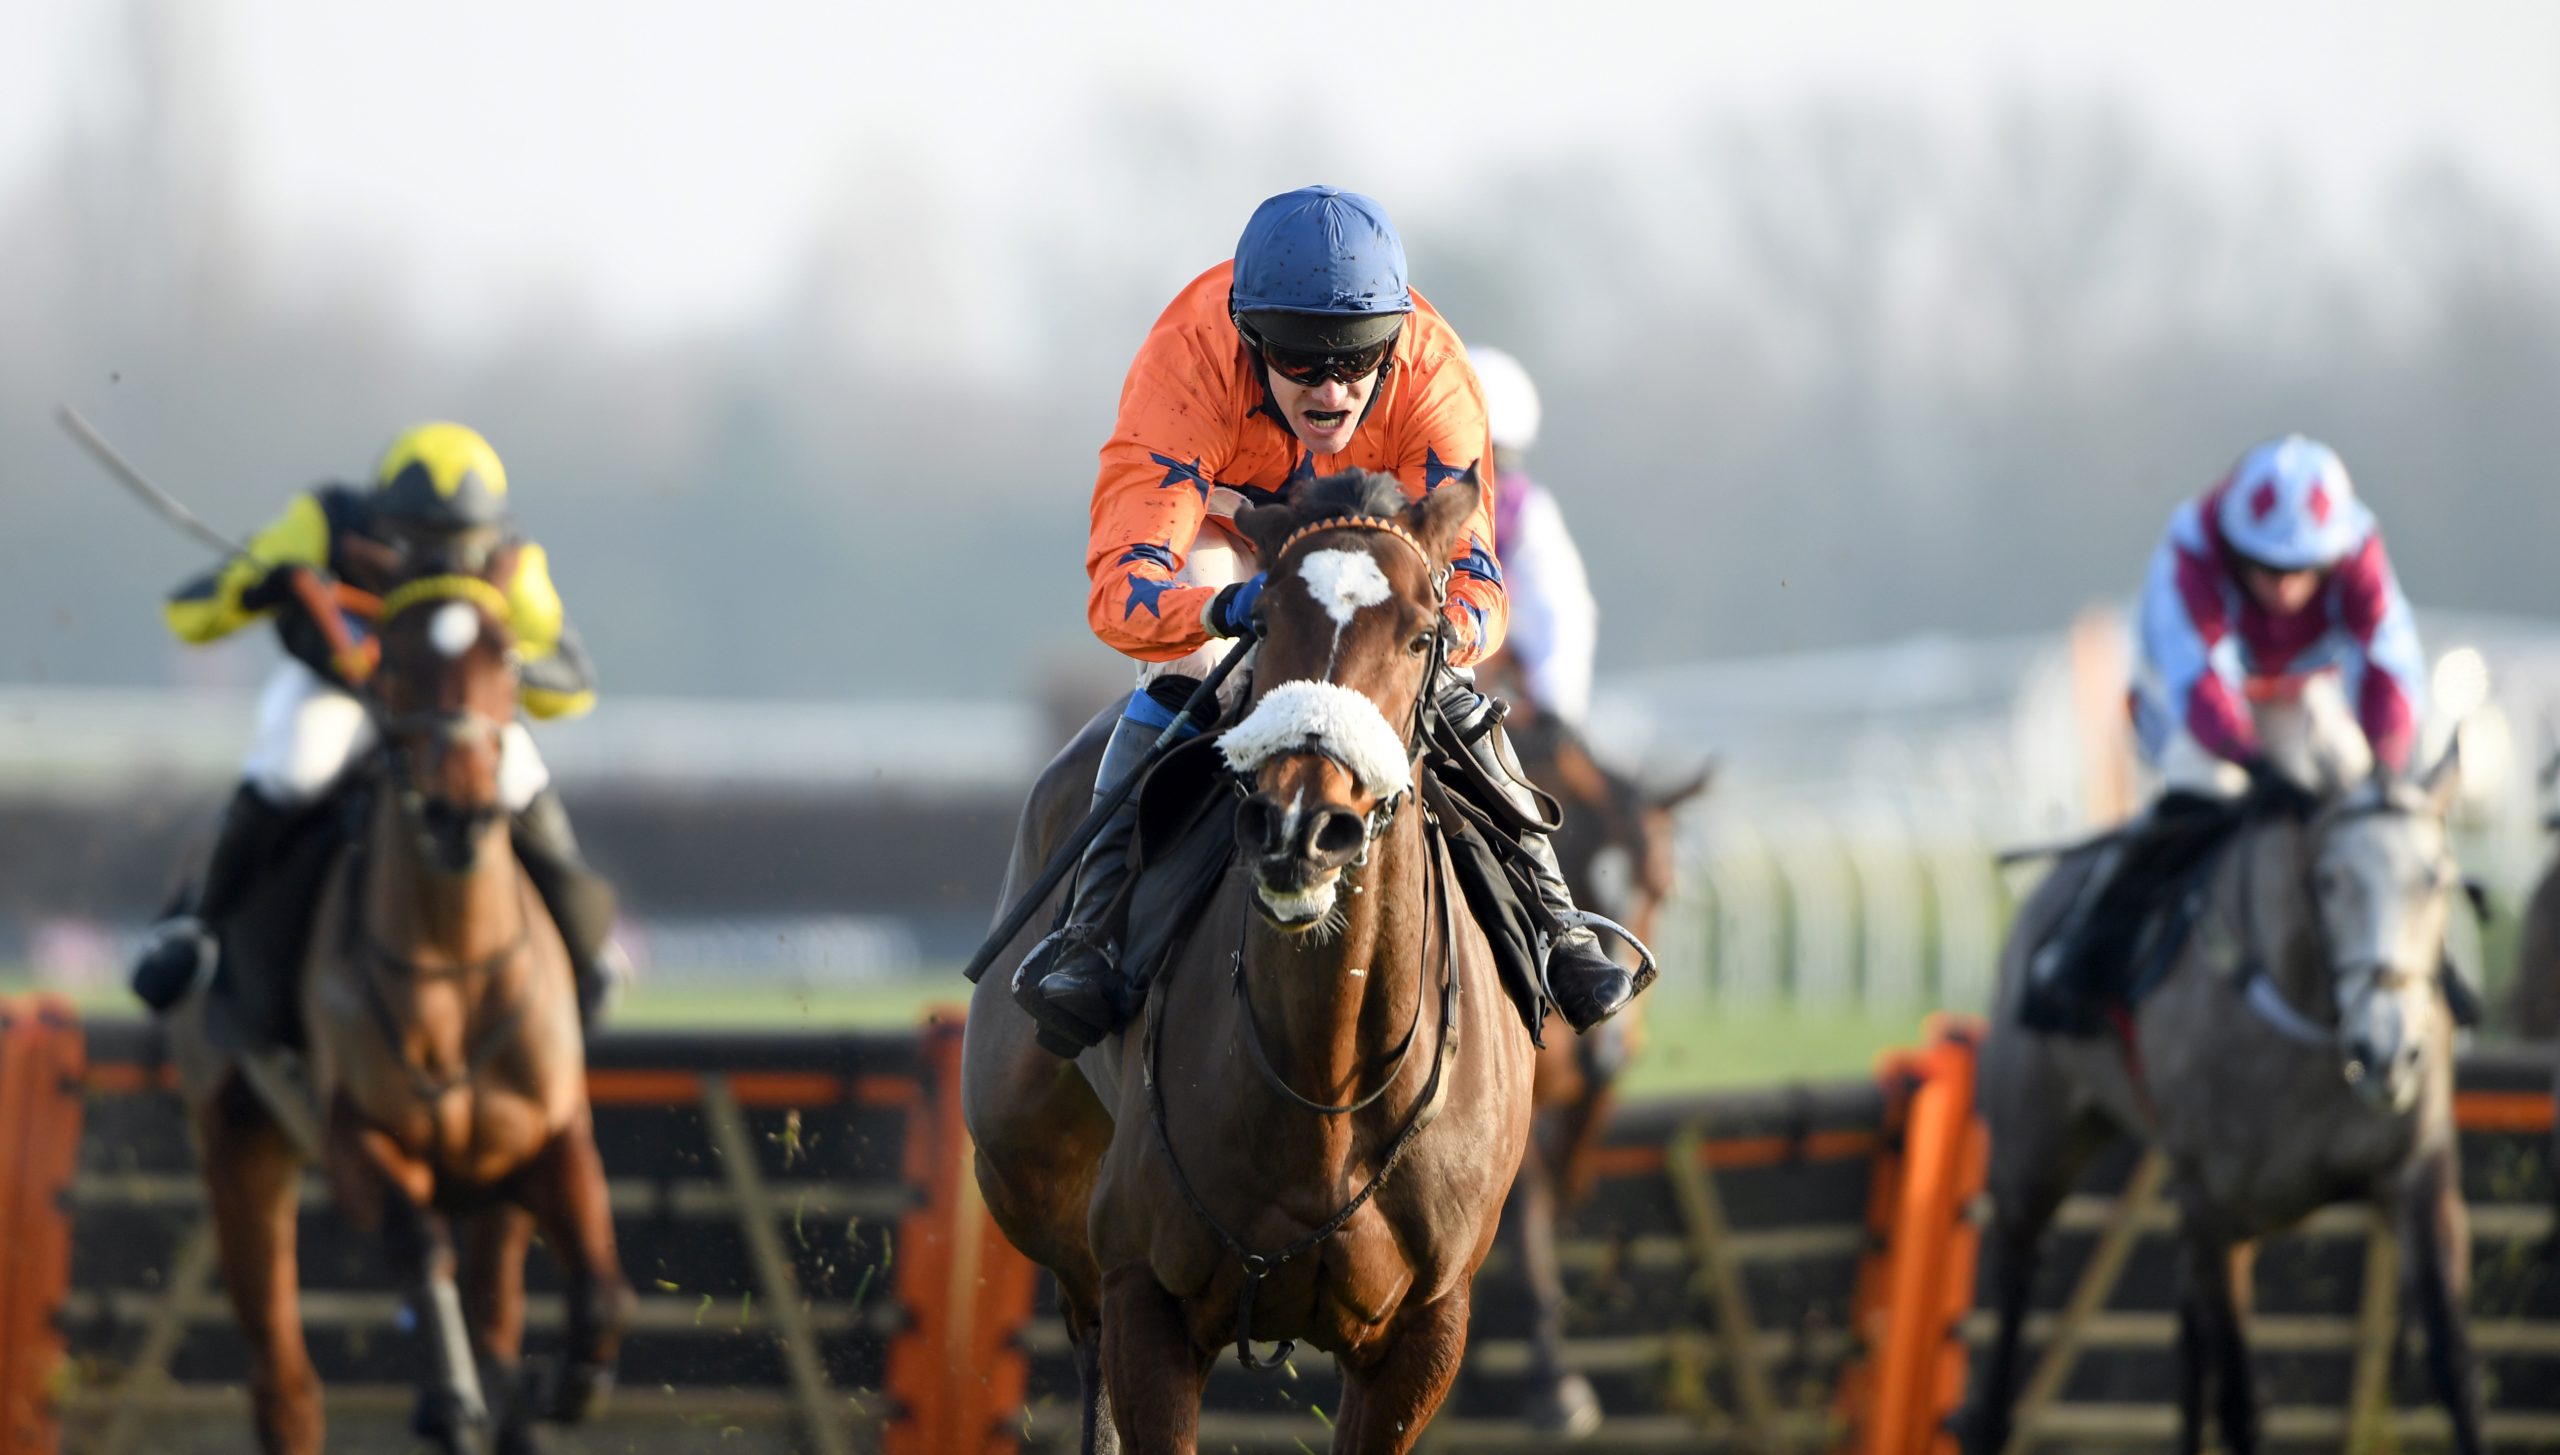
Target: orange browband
[(1360, 522)]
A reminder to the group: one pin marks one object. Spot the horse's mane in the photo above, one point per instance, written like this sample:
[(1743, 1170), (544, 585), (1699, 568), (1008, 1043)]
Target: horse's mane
[(1350, 492)]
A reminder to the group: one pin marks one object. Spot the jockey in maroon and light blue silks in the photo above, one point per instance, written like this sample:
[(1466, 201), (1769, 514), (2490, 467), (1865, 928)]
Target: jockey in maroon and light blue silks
[(2279, 659), (2274, 588), (1306, 355)]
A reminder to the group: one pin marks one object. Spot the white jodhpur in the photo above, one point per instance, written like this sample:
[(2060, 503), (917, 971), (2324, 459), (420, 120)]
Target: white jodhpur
[(310, 731)]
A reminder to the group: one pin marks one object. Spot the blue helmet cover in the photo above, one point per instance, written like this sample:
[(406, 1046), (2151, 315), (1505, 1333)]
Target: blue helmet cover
[(1321, 250)]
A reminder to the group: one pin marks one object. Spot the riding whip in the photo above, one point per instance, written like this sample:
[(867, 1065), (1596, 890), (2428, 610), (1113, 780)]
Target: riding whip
[(1063, 862), (321, 599), (159, 501)]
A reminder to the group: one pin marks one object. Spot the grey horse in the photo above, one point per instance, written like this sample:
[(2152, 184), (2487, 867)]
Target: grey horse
[(2296, 1052)]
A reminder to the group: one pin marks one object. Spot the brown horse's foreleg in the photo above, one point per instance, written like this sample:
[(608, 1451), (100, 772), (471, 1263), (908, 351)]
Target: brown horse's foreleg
[(2435, 1262), (494, 1243), (1559, 1403), (1096, 1435), (1386, 1404), (565, 1189), (253, 1184), (386, 1190), (1152, 1373)]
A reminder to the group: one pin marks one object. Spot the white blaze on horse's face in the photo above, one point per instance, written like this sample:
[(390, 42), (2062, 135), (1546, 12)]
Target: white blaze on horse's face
[(1342, 582), (2384, 882), (453, 629)]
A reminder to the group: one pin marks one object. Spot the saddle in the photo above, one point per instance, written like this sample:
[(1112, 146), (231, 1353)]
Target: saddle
[(2156, 870), (1186, 842), (259, 979)]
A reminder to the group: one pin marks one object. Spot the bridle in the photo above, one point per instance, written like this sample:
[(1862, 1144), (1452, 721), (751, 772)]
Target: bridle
[(460, 726), (1382, 814), (1427, 1107), (2257, 984)]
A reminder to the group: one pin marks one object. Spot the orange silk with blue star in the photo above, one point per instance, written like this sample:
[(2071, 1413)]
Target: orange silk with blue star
[(1197, 440)]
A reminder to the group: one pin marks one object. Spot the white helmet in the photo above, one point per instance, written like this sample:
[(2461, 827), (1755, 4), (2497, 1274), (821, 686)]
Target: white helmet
[(2290, 505), (1510, 400)]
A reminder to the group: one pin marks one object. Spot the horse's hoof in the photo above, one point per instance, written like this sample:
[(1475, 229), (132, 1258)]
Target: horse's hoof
[(1570, 1410), (578, 1393)]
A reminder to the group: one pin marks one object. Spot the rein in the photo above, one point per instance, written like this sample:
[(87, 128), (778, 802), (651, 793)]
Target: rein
[(367, 952), (2258, 989), (1426, 1109), (365, 948)]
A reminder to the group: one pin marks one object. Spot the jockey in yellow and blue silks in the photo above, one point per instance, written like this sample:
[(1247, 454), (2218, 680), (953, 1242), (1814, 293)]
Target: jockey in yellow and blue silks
[(1305, 355), (438, 502)]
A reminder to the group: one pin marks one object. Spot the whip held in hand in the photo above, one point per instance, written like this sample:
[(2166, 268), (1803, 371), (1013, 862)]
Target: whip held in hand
[(1063, 862), (321, 599)]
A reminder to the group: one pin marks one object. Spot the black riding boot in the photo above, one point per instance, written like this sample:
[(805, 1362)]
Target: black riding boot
[(1071, 982), (1588, 986), (580, 900), (186, 947), (2073, 977)]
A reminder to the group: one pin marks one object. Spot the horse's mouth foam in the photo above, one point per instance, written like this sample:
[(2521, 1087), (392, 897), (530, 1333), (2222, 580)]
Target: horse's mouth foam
[(1299, 909)]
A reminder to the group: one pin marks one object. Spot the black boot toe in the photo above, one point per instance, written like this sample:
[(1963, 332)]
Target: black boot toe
[(1589, 987), (1066, 984)]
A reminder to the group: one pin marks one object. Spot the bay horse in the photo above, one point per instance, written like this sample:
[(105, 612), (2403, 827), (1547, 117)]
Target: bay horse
[(1616, 849), (2297, 1051), (446, 1073), (1220, 1174)]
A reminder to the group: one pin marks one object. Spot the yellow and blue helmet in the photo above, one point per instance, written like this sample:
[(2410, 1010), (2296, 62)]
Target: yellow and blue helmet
[(442, 477)]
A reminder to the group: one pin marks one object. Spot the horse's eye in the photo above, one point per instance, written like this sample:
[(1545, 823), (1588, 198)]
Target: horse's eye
[(1420, 644)]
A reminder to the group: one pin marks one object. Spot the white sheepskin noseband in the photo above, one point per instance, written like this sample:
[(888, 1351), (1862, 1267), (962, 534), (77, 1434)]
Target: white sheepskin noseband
[(1327, 718)]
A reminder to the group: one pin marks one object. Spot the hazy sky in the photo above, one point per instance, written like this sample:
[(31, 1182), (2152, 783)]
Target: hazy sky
[(666, 169)]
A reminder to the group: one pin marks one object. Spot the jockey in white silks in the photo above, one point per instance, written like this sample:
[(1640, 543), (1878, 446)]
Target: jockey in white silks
[(1555, 624)]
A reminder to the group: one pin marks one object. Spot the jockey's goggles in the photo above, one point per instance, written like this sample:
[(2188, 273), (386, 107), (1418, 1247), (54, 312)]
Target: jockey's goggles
[(1307, 369)]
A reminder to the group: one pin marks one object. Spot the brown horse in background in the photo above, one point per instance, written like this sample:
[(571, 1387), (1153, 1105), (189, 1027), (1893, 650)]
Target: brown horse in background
[(1616, 849), (1334, 1015), (446, 1072)]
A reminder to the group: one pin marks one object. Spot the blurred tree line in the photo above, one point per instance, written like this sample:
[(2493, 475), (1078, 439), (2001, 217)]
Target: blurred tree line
[(1832, 374)]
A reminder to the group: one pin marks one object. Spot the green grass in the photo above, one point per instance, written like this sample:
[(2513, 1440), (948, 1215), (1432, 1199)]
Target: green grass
[(1687, 1045), (1693, 1045)]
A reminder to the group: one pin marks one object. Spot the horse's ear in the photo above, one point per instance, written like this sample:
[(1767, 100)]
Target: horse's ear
[(1668, 799), (2444, 780), (1267, 527), (1439, 517)]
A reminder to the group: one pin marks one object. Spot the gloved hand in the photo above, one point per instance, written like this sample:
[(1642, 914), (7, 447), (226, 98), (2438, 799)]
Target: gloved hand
[(271, 590), (2272, 787), (1230, 612)]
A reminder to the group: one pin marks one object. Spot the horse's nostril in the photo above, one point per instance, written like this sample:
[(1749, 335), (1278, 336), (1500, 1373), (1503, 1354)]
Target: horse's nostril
[(1340, 834), (1258, 824)]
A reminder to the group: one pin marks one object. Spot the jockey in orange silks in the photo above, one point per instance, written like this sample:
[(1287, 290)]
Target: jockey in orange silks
[(1307, 355)]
